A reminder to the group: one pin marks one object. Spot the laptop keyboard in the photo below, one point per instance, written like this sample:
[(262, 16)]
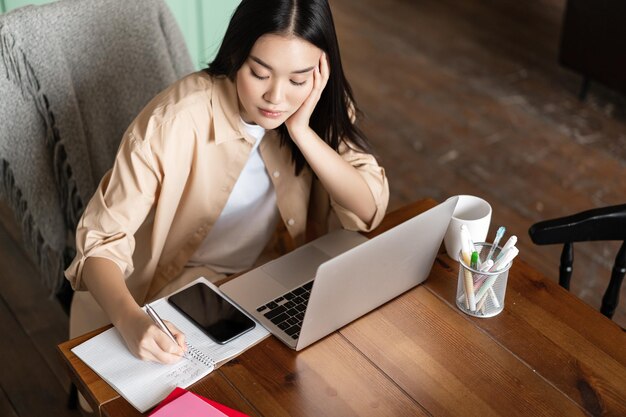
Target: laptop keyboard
[(287, 311)]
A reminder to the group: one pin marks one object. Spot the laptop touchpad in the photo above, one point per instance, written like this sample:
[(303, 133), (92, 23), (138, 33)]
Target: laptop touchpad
[(297, 267)]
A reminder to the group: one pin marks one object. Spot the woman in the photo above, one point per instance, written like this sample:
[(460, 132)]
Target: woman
[(212, 164)]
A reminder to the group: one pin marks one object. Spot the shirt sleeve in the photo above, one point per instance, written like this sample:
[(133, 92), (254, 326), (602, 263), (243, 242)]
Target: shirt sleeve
[(374, 176), (119, 206)]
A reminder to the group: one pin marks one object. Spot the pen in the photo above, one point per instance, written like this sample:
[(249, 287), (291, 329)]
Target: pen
[(486, 266), (506, 257), (470, 300), (474, 261), (468, 238), (500, 263), (509, 243), (160, 324), (480, 278), (499, 235)]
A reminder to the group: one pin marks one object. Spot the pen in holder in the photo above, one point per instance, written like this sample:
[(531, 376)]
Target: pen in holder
[(480, 293)]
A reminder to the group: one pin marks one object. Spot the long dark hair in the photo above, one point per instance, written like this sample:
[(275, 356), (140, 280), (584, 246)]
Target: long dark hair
[(312, 21)]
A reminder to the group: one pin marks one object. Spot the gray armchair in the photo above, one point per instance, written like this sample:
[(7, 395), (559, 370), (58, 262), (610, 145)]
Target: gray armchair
[(73, 74)]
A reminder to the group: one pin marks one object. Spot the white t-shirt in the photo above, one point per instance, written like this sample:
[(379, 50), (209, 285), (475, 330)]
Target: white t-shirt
[(248, 220)]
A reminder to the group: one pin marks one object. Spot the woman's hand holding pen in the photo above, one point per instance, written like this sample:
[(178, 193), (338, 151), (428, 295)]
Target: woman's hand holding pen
[(144, 339), (147, 341)]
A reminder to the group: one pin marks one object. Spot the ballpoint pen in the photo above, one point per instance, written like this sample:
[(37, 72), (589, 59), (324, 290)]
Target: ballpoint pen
[(509, 243), (161, 324), (499, 235)]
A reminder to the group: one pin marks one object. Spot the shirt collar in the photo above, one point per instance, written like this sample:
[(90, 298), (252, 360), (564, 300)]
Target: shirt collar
[(225, 104)]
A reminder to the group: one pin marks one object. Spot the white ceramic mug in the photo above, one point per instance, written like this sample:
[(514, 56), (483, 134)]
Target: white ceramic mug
[(476, 214)]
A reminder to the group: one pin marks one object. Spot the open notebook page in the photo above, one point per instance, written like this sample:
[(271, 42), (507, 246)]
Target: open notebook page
[(143, 383)]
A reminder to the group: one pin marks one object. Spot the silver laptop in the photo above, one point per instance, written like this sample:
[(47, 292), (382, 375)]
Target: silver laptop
[(322, 286)]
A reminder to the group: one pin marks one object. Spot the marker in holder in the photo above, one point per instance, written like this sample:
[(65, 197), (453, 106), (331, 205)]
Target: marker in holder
[(485, 296)]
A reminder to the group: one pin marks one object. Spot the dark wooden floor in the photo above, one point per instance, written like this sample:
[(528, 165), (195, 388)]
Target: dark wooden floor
[(466, 97), (461, 96), (33, 381)]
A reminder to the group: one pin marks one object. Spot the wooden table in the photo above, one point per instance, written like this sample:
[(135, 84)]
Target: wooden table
[(546, 354)]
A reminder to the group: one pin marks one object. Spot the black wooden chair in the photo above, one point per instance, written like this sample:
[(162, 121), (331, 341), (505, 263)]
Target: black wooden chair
[(606, 223)]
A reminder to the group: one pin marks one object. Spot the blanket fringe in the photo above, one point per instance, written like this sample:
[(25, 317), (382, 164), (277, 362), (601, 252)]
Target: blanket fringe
[(49, 261), (19, 71)]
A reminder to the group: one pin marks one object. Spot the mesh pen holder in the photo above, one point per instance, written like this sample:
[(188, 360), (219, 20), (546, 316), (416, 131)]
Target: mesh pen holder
[(481, 293)]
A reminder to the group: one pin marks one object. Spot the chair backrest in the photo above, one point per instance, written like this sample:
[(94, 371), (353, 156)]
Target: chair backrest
[(73, 75), (592, 40), (606, 223)]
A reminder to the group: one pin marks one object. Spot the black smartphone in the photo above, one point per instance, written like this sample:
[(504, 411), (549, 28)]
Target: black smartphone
[(211, 312)]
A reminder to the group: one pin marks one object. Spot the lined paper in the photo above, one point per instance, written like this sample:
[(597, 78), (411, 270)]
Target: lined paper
[(143, 383)]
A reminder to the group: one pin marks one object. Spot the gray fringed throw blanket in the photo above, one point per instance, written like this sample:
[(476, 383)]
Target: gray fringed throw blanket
[(73, 74)]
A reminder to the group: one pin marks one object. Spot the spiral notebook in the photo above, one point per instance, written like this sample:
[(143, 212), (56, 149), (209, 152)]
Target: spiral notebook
[(144, 384)]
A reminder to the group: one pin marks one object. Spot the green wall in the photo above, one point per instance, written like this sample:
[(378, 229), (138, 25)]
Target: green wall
[(202, 22)]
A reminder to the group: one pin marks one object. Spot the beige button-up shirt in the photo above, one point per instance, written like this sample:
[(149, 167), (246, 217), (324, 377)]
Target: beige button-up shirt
[(175, 168)]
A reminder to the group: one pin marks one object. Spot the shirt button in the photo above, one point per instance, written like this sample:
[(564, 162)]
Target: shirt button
[(291, 222), (276, 174)]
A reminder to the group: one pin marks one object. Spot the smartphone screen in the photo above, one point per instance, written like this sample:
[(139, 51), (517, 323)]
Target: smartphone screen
[(211, 312)]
